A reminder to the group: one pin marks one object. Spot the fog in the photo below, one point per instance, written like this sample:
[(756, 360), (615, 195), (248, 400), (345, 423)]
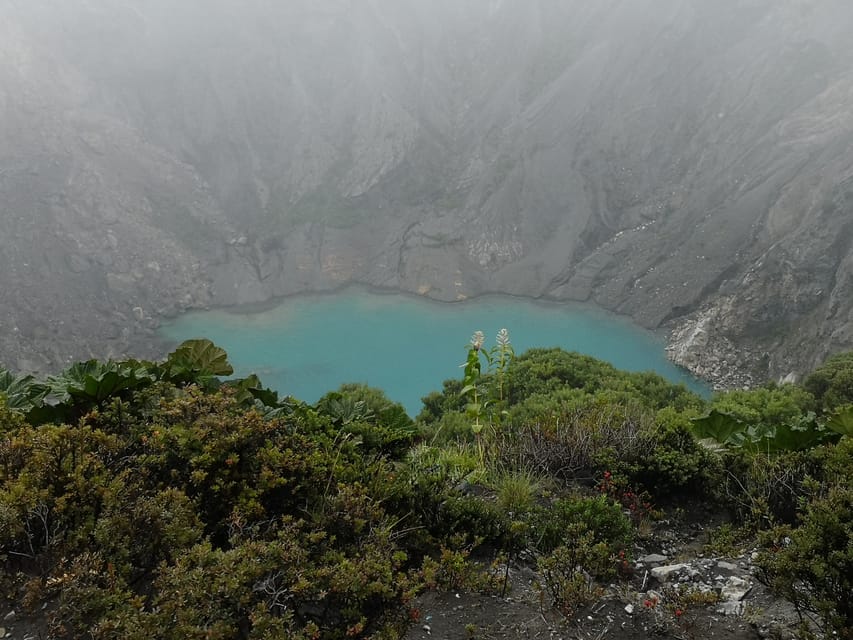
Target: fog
[(680, 161)]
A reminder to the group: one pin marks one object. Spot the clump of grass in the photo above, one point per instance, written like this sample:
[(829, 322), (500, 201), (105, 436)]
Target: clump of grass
[(454, 462), (727, 540), (516, 490)]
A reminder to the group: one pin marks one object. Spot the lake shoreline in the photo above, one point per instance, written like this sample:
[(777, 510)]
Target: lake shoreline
[(312, 338), (252, 308)]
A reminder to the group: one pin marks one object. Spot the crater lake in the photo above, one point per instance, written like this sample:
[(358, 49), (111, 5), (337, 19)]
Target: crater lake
[(407, 345)]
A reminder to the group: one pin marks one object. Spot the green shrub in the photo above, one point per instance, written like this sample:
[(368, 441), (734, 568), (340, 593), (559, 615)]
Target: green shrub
[(55, 481), (831, 384), (439, 403), (774, 418), (225, 458), (169, 509), (659, 393), (448, 465), (812, 565), (93, 601), (599, 518), (184, 497), (137, 535), (570, 570), (423, 486), (580, 443), (767, 406), (453, 569), (382, 427), (728, 540), (762, 489), (549, 407), (516, 491), (450, 427), (673, 463), (475, 518), (545, 371), (834, 462), (542, 371)]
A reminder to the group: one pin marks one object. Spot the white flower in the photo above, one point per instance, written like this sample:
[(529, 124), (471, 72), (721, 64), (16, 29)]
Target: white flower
[(503, 338), (477, 340)]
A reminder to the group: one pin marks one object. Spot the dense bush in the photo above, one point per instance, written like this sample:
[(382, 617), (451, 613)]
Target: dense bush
[(438, 403), (542, 371), (766, 489), (197, 517), (766, 406), (598, 517), (545, 371), (577, 446), (381, 426), (669, 462), (812, 564), (569, 572), (579, 436), (831, 384), (582, 541)]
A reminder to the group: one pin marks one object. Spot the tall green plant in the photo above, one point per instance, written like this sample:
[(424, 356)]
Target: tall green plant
[(485, 392), (499, 357), (472, 382)]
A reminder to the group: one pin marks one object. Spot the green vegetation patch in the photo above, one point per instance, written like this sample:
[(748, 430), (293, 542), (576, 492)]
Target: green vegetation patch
[(157, 499)]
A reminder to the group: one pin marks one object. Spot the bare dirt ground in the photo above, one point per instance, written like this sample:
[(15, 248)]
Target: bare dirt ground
[(643, 607)]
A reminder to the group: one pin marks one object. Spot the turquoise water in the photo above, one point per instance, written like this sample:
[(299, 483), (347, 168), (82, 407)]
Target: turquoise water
[(407, 345)]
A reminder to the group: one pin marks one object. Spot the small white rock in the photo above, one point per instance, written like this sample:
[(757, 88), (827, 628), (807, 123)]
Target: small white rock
[(654, 558), (735, 589), (731, 608), (662, 574)]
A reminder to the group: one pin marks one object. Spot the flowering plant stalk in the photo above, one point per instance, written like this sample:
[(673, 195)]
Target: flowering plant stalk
[(500, 356), (483, 395), (471, 380)]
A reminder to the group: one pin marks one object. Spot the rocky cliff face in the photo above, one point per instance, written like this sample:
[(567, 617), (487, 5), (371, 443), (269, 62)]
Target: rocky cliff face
[(683, 162)]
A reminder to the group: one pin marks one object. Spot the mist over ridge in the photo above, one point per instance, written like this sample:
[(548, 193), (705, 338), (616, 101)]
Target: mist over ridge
[(683, 162)]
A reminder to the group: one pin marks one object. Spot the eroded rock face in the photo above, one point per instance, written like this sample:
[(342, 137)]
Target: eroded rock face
[(682, 163)]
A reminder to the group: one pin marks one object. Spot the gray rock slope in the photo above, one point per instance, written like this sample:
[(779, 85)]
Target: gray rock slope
[(687, 163)]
